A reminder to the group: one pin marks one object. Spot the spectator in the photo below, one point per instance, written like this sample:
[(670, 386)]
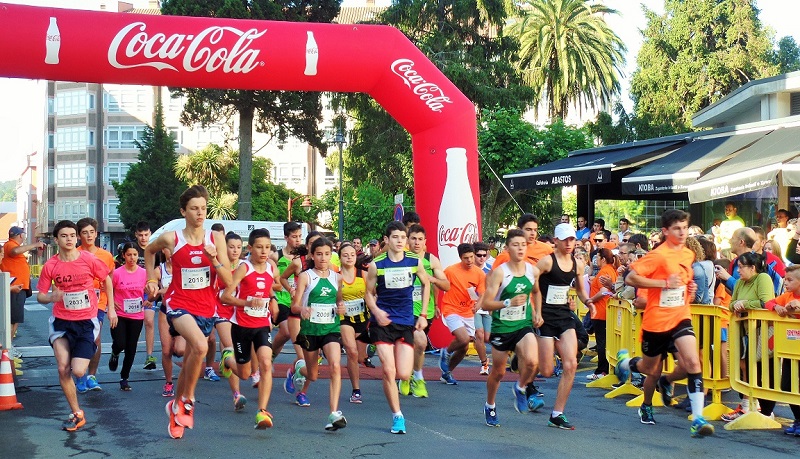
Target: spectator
[(624, 228), (373, 247), (710, 253), (695, 231), (411, 218), (564, 218), (781, 233), (583, 231), (627, 253), (700, 275), (731, 223), (358, 245), (600, 226), (16, 264), (638, 240), (599, 296), (481, 256)]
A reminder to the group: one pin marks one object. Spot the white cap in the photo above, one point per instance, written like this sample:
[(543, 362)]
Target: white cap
[(564, 231)]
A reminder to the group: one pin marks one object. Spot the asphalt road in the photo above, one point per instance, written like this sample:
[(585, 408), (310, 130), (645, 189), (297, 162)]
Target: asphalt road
[(448, 424)]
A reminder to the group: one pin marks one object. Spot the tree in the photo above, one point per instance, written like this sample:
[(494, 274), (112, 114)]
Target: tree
[(280, 113), (367, 210), (568, 53), (787, 56), (627, 128), (151, 191), (211, 168), (694, 54)]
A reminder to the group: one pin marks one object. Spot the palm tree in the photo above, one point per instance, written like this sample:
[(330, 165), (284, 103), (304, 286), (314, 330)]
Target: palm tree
[(208, 167), (568, 53)]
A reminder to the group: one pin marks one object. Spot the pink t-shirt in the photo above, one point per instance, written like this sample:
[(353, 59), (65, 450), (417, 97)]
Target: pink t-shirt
[(129, 291), (76, 279)]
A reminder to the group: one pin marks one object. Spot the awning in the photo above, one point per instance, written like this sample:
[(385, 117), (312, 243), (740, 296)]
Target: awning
[(755, 168), (588, 167), (790, 175), (676, 171)]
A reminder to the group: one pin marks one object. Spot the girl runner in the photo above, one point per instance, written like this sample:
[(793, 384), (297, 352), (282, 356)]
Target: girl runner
[(129, 281)]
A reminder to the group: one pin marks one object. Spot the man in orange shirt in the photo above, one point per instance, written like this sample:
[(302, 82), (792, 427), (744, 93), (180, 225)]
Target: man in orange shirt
[(536, 250), (666, 273), (87, 232), (15, 263), (467, 283)]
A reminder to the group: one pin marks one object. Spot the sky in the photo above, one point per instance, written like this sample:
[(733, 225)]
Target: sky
[(22, 114)]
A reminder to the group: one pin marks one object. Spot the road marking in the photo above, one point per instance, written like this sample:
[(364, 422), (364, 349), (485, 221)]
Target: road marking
[(435, 432), (35, 307)]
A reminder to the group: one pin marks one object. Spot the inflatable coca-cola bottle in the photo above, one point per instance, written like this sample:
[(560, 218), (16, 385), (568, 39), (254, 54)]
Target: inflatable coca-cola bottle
[(52, 42), (458, 221)]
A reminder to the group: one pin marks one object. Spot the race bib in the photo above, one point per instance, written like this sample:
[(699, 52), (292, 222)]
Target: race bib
[(353, 308), (195, 278), (256, 311), (132, 305), (323, 313), (77, 300), (417, 294), (291, 282), (672, 297), (398, 277), (557, 294), (512, 313)]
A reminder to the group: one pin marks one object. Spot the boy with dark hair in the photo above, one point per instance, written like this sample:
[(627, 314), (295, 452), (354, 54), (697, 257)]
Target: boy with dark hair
[(535, 250)]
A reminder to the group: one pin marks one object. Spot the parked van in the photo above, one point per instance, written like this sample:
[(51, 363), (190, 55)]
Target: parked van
[(240, 227)]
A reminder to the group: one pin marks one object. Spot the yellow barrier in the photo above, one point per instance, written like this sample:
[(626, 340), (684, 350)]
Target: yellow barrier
[(36, 270), (620, 334), (707, 320), (786, 348)]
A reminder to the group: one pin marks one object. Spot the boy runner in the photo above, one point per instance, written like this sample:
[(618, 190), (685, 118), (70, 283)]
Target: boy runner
[(536, 250), (142, 234), (73, 326)]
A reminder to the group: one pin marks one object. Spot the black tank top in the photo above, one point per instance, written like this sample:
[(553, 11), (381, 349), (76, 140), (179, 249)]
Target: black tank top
[(557, 278)]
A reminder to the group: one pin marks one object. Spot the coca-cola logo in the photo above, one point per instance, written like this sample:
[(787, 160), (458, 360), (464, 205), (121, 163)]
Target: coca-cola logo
[(451, 237), (430, 93), (202, 51)]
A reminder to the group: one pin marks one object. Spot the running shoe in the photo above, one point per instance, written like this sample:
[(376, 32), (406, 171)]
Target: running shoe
[(223, 366), (288, 385), (646, 415), (210, 375), (733, 415), (174, 429), (239, 401), (419, 388), (256, 377), (150, 363), (80, 385), (561, 422), (444, 361), (113, 362), (793, 429), (74, 422), (513, 365), (299, 379), (535, 403), (484, 368), (491, 416), (447, 378), (355, 397), (124, 386), (371, 350), (263, 420), (336, 421), (398, 425), (594, 376), (520, 401), (368, 363), (92, 384), (302, 399), (701, 427), (169, 390), (623, 370), (185, 414), (531, 389), (559, 368), (404, 386), (666, 389)]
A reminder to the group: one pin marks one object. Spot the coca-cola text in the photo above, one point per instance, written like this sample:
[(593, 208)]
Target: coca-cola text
[(451, 237), (427, 92), (201, 51)]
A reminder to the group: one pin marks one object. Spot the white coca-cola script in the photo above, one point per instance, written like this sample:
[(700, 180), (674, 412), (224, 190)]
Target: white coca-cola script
[(430, 93), (192, 52), (451, 237)]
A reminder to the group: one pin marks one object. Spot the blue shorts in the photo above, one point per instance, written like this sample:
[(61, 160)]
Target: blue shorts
[(80, 334), (483, 322), (206, 324), (220, 320), (101, 316), (723, 335)]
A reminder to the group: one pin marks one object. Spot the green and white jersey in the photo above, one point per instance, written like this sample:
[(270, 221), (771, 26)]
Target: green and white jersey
[(511, 319), (320, 296), (284, 297), (417, 295)]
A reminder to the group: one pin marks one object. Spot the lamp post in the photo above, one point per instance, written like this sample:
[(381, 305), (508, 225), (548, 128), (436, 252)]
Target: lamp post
[(305, 205), (339, 140)]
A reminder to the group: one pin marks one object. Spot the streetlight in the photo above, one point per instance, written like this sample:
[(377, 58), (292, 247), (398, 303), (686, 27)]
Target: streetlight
[(305, 205), (339, 140)]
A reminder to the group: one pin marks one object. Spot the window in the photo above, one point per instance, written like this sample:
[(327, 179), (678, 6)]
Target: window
[(123, 137), (89, 138), (71, 138), (90, 101), (111, 211), (175, 103), (51, 141), (51, 177), (118, 98), (51, 212), (290, 173), (72, 102), (73, 210), (177, 136), (115, 172), (73, 175), (330, 177), (211, 134), (51, 107)]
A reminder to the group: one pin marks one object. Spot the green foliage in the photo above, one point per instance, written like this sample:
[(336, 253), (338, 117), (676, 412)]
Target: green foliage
[(8, 191), (367, 210), (787, 56), (150, 191), (697, 52), (627, 127)]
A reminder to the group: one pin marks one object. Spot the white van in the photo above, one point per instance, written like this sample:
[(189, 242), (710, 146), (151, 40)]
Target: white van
[(240, 227)]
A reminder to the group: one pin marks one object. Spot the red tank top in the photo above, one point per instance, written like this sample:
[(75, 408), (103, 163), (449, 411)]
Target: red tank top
[(257, 285), (193, 278)]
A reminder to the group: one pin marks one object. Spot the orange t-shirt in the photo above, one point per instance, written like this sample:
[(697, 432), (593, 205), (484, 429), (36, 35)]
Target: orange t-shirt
[(457, 299), (600, 305), (783, 300), (666, 308), (725, 302), (107, 259), (16, 265), (533, 253)]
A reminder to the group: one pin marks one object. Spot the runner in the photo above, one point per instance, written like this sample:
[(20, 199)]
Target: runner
[(666, 273), (558, 273), (319, 309), (142, 234), (73, 326), (433, 268), (129, 281), (508, 298), (293, 235), (390, 290), (536, 250), (169, 345), (354, 322), (483, 320), (251, 322), (87, 231), (467, 283), (222, 322), (199, 256)]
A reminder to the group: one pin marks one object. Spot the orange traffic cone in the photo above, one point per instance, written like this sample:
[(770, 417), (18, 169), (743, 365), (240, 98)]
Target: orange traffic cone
[(8, 396)]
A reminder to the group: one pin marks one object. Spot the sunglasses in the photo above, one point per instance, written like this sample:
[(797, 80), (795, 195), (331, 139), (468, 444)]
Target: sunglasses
[(480, 255), (599, 240), (624, 240)]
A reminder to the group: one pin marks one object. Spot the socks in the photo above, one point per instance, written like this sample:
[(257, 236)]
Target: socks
[(491, 407), (556, 414), (694, 386), (418, 375), (398, 414)]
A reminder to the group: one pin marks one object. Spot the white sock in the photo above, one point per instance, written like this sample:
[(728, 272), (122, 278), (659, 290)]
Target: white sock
[(521, 389), (698, 400), (556, 413), (399, 413), (418, 375), (491, 407)]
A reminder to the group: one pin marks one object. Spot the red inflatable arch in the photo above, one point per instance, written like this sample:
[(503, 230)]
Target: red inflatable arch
[(102, 47)]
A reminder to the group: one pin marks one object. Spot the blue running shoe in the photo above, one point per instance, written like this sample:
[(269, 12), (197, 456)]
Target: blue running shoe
[(623, 370), (491, 416), (80, 385), (520, 402), (398, 425), (666, 389), (210, 375), (302, 399), (701, 427), (444, 361), (447, 378), (535, 403), (793, 429), (92, 384), (239, 401), (288, 385)]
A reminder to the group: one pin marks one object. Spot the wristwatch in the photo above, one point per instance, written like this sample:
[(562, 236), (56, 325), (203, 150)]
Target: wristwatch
[(506, 303)]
